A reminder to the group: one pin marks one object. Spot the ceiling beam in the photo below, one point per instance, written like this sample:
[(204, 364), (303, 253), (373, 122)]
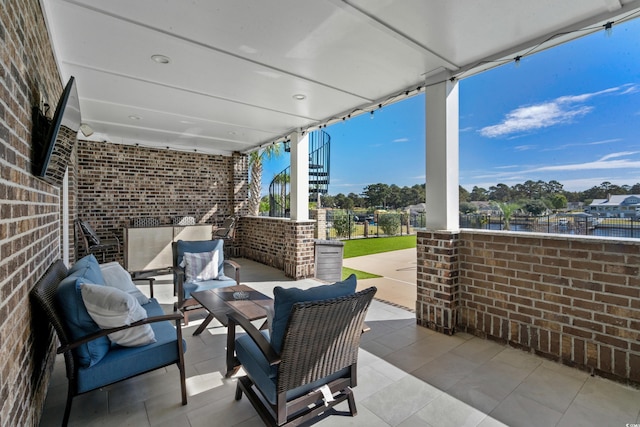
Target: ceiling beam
[(391, 31)]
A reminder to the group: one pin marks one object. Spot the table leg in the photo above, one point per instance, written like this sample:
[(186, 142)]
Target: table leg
[(232, 363), (203, 325)]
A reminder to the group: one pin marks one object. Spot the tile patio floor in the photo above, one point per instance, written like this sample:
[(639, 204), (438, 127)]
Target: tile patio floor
[(408, 376)]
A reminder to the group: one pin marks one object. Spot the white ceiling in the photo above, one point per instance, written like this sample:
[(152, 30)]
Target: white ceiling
[(236, 64)]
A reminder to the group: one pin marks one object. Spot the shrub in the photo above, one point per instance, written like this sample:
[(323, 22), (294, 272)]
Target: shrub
[(342, 223), (390, 223)]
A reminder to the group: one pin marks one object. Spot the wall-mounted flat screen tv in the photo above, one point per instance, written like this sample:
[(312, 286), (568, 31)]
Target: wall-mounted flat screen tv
[(53, 144)]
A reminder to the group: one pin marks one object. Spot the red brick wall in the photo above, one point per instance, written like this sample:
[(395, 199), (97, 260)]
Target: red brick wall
[(29, 211), (117, 183), (437, 273), (278, 242), (574, 299)]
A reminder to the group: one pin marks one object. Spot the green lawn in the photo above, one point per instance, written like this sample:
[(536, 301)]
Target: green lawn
[(346, 272), (359, 247)]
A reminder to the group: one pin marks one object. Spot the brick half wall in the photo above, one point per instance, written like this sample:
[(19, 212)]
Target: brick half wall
[(278, 242), (573, 299)]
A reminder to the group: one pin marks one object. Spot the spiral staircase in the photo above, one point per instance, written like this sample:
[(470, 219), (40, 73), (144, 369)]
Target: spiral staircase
[(280, 187)]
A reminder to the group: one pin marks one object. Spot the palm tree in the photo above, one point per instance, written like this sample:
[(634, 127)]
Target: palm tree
[(255, 184), (507, 209)]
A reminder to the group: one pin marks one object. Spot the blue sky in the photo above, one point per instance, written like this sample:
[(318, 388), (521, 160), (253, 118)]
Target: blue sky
[(570, 114)]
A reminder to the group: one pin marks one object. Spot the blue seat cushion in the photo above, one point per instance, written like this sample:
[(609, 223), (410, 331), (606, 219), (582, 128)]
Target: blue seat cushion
[(264, 376), (204, 285), (284, 298), (77, 319), (123, 362)]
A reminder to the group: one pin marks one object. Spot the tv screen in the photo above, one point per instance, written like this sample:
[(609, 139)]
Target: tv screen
[(54, 143)]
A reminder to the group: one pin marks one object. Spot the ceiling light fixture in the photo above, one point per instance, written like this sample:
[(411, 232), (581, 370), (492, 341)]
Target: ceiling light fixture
[(299, 96), (161, 59)]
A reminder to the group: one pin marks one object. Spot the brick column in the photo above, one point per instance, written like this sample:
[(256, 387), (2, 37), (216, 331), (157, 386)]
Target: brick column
[(320, 217), (438, 294), (299, 258), (240, 173)]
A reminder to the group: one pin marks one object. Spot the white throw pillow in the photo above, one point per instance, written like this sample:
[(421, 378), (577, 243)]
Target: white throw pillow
[(201, 266), (111, 307), (116, 276)]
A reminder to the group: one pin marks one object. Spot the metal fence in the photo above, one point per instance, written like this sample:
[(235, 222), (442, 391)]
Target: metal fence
[(577, 224), (345, 224)]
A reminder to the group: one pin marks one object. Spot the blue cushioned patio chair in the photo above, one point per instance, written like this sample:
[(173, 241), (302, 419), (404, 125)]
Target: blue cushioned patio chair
[(118, 363), (319, 350), (183, 286)]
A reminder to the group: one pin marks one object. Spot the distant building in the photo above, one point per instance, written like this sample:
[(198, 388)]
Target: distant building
[(416, 209), (487, 208), (572, 206), (619, 206)]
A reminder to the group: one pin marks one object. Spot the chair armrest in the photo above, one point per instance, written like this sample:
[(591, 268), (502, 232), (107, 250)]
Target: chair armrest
[(178, 285), (265, 346), (179, 272), (177, 316), (236, 269), (150, 279)]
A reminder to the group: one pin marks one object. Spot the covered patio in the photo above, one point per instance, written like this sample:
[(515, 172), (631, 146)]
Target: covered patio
[(407, 376), (177, 97)]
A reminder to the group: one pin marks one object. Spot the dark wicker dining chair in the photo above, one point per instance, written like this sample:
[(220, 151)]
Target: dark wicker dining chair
[(316, 365), (92, 244)]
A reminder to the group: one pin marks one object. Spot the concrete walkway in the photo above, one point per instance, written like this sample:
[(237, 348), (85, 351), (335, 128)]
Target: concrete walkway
[(398, 270)]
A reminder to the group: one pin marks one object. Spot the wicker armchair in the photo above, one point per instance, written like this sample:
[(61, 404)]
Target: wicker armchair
[(320, 348), (120, 363)]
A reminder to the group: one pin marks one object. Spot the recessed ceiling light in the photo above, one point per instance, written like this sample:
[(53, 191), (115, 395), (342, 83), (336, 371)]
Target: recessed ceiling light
[(132, 117), (299, 96), (161, 59)]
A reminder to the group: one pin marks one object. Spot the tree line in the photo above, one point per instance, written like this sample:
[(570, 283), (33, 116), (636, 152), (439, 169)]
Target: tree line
[(377, 196), (537, 196), (533, 196)]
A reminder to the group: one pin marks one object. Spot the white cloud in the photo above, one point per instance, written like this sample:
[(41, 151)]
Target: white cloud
[(534, 117), (565, 146), (630, 88), (621, 154), (604, 141), (524, 147), (561, 110), (602, 163), (401, 140)]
